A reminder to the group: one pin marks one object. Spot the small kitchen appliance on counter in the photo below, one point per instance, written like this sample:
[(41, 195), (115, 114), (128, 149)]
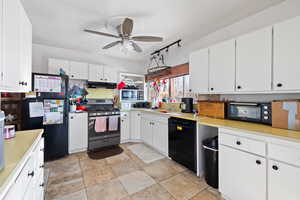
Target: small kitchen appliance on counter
[(250, 112), (186, 105)]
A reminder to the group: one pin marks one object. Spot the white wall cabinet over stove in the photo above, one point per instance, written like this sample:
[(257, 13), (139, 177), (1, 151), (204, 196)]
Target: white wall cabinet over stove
[(101, 73), (78, 132)]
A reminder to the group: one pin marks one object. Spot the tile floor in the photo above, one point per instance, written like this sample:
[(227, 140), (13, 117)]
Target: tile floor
[(122, 177)]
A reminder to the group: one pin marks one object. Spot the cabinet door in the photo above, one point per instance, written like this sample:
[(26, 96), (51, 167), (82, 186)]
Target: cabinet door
[(125, 127), (79, 70), (135, 125), (286, 55), (222, 67), (25, 53), (11, 44), (78, 132), (54, 65), (146, 131), (96, 73), (241, 175), (254, 59), (198, 67), (283, 181), (160, 137), (1, 44), (110, 74)]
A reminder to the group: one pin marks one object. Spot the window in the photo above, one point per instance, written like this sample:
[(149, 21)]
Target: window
[(170, 89)]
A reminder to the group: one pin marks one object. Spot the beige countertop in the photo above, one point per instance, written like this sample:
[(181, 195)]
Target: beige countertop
[(16, 152), (236, 125)]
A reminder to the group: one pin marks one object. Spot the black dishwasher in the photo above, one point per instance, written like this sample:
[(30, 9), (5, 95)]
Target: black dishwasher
[(183, 142)]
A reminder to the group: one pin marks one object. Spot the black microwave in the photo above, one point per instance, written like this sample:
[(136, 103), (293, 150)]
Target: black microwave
[(250, 112)]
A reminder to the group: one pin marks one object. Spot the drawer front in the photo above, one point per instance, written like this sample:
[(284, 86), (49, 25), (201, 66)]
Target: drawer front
[(242, 143), (284, 153), (25, 176)]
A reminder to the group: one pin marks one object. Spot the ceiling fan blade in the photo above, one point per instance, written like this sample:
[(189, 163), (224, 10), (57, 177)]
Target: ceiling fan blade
[(101, 33), (147, 39), (136, 47), (111, 44), (127, 27)]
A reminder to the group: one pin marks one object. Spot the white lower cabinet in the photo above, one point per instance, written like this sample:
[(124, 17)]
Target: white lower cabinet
[(241, 175), (160, 137), (135, 125), (29, 184), (125, 127), (154, 132), (283, 181), (78, 132)]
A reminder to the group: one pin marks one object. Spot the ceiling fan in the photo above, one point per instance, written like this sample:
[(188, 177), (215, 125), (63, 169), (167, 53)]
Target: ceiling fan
[(126, 39)]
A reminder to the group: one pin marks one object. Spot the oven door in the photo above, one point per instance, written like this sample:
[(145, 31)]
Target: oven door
[(103, 131), (128, 95), (244, 111)]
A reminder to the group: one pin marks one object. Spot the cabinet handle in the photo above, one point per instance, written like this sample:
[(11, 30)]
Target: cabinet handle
[(279, 84), (122, 120), (72, 117), (31, 174), (239, 87), (275, 167), (211, 89), (42, 185), (42, 166), (190, 90), (258, 162), (72, 76), (238, 142), (21, 83), (42, 149)]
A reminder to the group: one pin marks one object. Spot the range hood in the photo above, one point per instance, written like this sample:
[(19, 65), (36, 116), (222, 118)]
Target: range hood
[(102, 85)]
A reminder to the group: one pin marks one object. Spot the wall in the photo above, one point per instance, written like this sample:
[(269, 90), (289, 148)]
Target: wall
[(41, 53), (268, 17)]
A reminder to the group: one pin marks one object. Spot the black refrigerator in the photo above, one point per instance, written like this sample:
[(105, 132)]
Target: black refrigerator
[(48, 108)]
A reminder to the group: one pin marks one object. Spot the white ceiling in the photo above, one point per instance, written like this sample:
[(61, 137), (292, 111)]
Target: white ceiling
[(59, 23)]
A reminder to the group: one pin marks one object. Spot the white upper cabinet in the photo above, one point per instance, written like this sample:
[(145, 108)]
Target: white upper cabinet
[(199, 67), (11, 45), (286, 55), (79, 70), (222, 67), (95, 73), (254, 61), (54, 65), (26, 53), (110, 74), (1, 44)]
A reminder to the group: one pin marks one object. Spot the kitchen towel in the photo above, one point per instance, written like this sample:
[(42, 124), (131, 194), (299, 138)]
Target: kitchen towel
[(113, 123), (100, 124)]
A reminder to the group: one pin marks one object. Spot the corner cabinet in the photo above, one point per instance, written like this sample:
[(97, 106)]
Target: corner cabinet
[(16, 47), (286, 55), (254, 59), (198, 70), (222, 67)]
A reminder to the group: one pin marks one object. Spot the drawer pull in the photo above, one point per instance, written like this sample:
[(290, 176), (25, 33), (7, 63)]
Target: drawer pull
[(31, 174), (42, 149), (42, 166), (275, 167), (42, 185), (258, 162), (238, 142)]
